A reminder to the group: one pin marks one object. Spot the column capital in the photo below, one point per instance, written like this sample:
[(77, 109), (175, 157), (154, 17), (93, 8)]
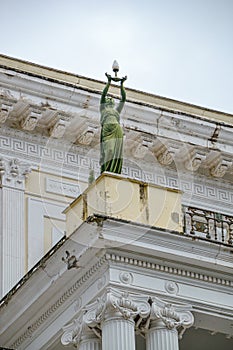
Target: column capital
[(167, 315), (77, 331), (13, 173), (115, 303), (72, 332)]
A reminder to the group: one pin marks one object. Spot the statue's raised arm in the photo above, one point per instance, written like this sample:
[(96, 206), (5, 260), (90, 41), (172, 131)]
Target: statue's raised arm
[(105, 91), (111, 138), (123, 96)]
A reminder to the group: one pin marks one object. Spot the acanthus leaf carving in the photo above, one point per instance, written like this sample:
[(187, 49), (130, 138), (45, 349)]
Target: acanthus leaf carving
[(115, 302), (73, 332), (173, 316), (148, 313), (165, 154)]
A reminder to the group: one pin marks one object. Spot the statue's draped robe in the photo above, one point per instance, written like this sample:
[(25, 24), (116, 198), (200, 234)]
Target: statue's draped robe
[(111, 141)]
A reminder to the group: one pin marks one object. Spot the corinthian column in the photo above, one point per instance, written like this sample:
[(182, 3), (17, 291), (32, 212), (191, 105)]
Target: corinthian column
[(119, 328), (12, 235), (89, 341), (161, 338), (114, 314), (165, 320)]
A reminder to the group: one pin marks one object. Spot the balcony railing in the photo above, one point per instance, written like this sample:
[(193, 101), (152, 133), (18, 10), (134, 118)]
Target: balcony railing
[(209, 225)]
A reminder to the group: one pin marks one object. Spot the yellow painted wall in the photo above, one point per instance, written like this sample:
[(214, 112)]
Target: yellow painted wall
[(122, 198), (36, 190)]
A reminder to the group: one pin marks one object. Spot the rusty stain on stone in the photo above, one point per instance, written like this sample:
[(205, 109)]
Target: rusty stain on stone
[(215, 135), (84, 216), (143, 193)]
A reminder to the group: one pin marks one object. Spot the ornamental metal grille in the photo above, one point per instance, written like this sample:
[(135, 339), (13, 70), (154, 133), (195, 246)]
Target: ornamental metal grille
[(209, 225)]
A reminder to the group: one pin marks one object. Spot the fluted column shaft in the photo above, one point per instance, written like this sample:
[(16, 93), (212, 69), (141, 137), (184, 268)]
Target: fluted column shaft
[(13, 241), (89, 341), (12, 235), (159, 337), (118, 333)]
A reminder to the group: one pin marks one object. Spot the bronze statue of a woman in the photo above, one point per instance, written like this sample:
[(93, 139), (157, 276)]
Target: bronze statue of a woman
[(111, 138)]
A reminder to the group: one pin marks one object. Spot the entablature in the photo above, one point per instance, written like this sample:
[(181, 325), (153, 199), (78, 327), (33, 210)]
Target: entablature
[(64, 111)]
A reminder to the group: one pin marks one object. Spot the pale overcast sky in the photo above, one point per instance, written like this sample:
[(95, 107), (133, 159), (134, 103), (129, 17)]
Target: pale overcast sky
[(181, 49)]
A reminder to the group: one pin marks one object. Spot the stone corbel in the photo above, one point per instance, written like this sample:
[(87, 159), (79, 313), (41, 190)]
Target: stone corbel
[(165, 154), (57, 131), (219, 167), (88, 135), (5, 110), (30, 121), (142, 148), (194, 159)]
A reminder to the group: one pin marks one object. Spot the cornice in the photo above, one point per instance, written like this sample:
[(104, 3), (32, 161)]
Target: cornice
[(164, 244), (67, 78), (63, 112), (188, 273)]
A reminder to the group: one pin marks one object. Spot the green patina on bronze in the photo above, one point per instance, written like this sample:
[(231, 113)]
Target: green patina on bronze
[(111, 138)]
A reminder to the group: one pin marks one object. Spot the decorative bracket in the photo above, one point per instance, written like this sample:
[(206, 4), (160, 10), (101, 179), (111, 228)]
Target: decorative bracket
[(142, 147), (165, 154), (194, 159), (58, 129), (5, 110), (219, 167), (29, 122), (87, 136)]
